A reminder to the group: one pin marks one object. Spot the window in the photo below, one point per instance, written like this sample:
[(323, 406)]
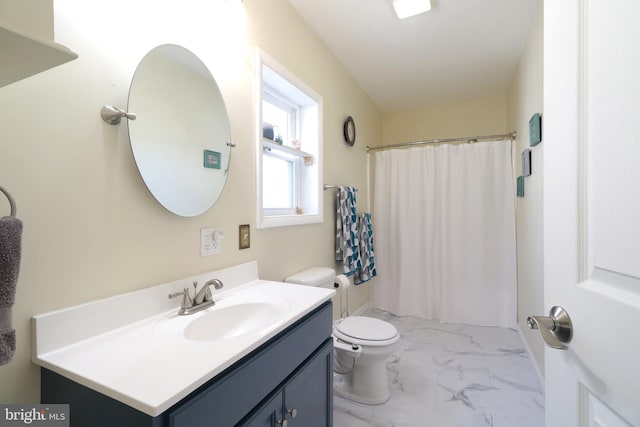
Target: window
[(289, 159), (278, 180)]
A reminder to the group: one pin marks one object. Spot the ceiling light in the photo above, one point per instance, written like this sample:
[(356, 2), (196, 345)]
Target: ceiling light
[(407, 8)]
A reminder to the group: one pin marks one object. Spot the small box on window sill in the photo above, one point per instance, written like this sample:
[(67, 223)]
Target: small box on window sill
[(267, 131)]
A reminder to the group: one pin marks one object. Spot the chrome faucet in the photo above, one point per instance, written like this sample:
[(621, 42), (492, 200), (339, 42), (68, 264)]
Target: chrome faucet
[(205, 293), (201, 299)]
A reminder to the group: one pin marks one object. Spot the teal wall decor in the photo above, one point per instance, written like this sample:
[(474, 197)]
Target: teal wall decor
[(521, 186), (535, 130), (526, 162)]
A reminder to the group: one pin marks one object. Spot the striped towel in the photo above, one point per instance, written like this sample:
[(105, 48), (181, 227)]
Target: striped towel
[(347, 245), (368, 269)]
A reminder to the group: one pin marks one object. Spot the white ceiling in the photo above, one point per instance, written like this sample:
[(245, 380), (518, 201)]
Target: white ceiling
[(461, 49)]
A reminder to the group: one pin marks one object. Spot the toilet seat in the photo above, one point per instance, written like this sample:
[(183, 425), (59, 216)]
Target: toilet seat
[(366, 331)]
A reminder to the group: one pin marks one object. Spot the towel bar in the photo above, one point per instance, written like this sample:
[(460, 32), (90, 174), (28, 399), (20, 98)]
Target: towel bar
[(333, 187), (12, 203)]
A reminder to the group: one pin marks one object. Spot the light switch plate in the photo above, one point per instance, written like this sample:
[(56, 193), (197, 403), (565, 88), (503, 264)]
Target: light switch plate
[(244, 236)]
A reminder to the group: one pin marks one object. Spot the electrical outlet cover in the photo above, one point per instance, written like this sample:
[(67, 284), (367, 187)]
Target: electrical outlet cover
[(210, 241)]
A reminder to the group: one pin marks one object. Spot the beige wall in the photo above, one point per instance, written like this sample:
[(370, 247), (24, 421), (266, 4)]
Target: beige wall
[(33, 17), (484, 116), (91, 229), (525, 99)]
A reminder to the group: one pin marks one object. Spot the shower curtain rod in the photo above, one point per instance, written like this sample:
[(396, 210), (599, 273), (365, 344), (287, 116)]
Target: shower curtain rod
[(467, 139)]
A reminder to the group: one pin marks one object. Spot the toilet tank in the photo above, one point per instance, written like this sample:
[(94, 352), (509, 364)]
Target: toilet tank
[(315, 276)]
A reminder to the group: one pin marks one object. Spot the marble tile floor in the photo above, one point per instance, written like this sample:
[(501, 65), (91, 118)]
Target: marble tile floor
[(452, 375)]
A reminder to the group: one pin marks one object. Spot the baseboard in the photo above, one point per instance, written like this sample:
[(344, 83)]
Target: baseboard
[(362, 310), (537, 371)]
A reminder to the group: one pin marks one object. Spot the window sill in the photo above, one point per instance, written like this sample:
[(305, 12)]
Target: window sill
[(288, 220), (290, 151)]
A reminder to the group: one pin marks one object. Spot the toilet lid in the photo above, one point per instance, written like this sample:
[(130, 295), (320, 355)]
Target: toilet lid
[(367, 329)]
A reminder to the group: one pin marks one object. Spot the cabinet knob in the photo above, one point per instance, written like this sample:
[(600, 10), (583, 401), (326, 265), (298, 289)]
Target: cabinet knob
[(293, 412), (283, 423)]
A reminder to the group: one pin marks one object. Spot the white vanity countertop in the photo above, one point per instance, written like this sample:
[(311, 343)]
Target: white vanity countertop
[(113, 346)]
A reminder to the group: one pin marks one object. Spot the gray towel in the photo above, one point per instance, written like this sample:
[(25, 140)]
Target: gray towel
[(10, 248)]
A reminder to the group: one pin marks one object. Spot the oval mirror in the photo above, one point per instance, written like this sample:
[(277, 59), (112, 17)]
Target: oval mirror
[(180, 138)]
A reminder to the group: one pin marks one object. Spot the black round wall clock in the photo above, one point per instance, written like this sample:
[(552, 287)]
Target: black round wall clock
[(349, 130)]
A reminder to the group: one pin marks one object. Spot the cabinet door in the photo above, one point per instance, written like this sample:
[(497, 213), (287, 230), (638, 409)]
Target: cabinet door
[(269, 414), (308, 396)]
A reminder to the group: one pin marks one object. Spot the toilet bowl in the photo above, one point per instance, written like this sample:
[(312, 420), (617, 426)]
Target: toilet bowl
[(361, 346)]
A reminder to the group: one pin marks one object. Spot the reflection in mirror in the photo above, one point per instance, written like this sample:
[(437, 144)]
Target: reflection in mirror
[(180, 139)]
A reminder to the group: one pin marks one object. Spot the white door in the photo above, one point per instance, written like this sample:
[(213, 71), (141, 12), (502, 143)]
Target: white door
[(591, 143)]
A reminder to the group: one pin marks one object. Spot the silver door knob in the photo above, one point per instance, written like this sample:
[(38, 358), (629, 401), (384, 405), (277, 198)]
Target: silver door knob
[(555, 330), (293, 412), (283, 423)]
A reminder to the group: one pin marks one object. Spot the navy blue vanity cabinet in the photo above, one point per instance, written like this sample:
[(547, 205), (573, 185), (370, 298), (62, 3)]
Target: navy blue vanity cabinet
[(269, 414), (302, 400), (293, 370)]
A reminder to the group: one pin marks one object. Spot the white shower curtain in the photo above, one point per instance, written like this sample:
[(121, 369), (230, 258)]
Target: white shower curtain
[(445, 233)]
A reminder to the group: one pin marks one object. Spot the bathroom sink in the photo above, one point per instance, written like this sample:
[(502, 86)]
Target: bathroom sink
[(232, 316), (231, 321)]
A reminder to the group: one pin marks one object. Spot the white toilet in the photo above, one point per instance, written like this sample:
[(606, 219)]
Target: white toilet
[(361, 346)]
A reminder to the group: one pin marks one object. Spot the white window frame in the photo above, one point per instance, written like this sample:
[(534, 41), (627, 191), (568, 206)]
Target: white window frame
[(295, 161), (286, 89), (282, 103)]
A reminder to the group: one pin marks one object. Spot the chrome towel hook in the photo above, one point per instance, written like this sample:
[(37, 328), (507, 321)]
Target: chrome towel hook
[(12, 203), (112, 115)]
